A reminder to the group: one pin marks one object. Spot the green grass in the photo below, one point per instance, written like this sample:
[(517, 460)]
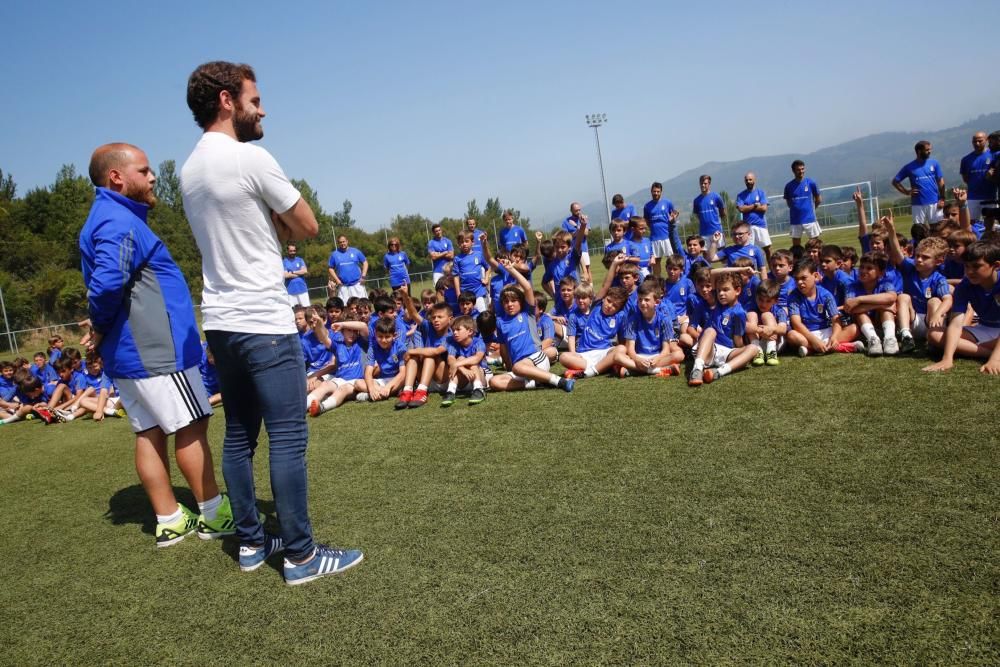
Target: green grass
[(829, 510)]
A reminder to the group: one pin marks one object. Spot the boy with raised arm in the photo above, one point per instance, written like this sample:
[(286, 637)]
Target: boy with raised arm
[(566, 256), (348, 374), (428, 358), (594, 331), (743, 247)]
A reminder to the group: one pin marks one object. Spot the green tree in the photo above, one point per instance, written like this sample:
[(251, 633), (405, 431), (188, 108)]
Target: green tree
[(168, 186), (342, 219), (8, 189), (472, 210)]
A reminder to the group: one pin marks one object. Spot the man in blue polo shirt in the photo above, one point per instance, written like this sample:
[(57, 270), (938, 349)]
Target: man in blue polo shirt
[(926, 189), (710, 209), (440, 250), (802, 196), (973, 169), (661, 215), (571, 224), (295, 268), (752, 204), (348, 271), (511, 234)]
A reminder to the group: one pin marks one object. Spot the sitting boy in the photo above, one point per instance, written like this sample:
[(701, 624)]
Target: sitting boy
[(594, 330), (428, 358), (872, 295), (813, 314), (767, 324), (650, 337), (384, 370), (466, 362), (721, 347), (348, 373)]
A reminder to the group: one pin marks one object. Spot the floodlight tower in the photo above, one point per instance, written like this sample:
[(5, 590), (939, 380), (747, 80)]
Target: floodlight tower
[(595, 121)]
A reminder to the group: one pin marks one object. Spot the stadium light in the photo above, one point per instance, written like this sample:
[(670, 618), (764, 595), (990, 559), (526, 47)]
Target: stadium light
[(595, 121)]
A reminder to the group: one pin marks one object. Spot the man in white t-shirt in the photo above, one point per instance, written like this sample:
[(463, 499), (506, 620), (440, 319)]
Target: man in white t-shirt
[(242, 208)]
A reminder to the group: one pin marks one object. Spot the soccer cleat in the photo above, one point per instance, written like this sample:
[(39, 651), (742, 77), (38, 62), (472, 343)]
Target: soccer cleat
[(772, 358), (669, 371), (567, 384), (803, 351), (758, 359), (573, 374), (695, 379), (168, 534), (253, 557), (44, 414), (478, 396), (63, 415), (325, 561), (710, 376), (315, 410), (221, 526), (874, 347), (891, 346), (448, 400), (844, 347), (907, 345), (418, 399), (404, 399)]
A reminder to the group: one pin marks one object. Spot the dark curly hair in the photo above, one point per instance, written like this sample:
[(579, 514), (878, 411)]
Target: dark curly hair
[(210, 79)]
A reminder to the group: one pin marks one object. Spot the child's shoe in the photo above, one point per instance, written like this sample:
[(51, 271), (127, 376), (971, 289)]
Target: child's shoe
[(695, 379), (772, 358), (314, 409), (168, 534), (572, 374), (891, 346), (758, 360), (478, 396), (567, 384), (710, 376), (803, 351), (874, 347), (448, 400), (405, 397), (669, 371), (221, 526), (417, 399), (907, 344)]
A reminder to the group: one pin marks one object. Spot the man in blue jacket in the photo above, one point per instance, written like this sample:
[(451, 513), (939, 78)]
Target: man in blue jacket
[(143, 325)]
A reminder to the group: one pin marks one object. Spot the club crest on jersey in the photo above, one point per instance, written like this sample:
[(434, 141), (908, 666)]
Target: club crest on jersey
[(819, 308), (927, 293), (725, 321), (682, 291)]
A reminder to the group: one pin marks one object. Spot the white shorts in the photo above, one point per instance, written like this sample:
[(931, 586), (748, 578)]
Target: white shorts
[(975, 208), (643, 273), (345, 292), (811, 230), (435, 278), (299, 299), (585, 258), (594, 356), (539, 360), (823, 334), (720, 355), (926, 214), (919, 326), (169, 401), (759, 236), (662, 248), (482, 304), (983, 333), (341, 382)]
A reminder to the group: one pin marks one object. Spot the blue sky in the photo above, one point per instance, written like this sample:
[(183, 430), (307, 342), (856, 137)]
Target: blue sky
[(406, 107)]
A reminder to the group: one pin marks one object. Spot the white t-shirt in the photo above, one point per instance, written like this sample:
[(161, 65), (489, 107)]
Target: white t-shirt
[(229, 190)]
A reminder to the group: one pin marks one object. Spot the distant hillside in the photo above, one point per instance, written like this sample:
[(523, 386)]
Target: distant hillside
[(875, 157)]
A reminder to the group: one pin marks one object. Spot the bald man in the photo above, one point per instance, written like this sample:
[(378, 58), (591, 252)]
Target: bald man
[(973, 169), (752, 203), (143, 326), (571, 224)]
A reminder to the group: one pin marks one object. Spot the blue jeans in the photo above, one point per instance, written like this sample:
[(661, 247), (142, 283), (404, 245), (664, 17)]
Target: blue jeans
[(675, 239), (262, 377)]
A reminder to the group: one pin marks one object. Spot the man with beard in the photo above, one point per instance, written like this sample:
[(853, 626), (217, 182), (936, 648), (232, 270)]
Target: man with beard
[(241, 208), (142, 323), (295, 268), (752, 203), (973, 169)]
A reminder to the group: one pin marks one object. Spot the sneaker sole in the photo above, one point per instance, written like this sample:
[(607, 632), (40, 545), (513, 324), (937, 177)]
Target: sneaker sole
[(252, 568), (173, 541), (215, 536), (306, 580)]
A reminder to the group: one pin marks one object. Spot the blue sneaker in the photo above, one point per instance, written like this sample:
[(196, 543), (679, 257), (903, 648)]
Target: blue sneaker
[(253, 557), (325, 561)]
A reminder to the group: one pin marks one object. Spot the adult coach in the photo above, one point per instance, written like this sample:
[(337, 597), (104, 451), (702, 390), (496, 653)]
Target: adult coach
[(710, 209), (752, 204), (926, 189), (973, 168), (142, 323), (440, 250), (572, 223), (661, 215), (348, 271), (802, 197), (241, 207), (295, 268)]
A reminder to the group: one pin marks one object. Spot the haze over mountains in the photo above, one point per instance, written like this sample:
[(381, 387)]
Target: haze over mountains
[(875, 158)]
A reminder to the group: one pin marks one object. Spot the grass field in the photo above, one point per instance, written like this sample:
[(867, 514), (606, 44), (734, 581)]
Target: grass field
[(832, 510)]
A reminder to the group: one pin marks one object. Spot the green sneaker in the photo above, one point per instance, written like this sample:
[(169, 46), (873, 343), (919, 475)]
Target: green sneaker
[(772, 358), (221, 526), (168, 534), (448, 400), (758, 359)]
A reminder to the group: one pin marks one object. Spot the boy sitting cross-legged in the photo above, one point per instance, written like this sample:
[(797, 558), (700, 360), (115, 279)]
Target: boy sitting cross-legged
[(650, 339), (872, 296), (384, 369), (348, 373), (595, 329), (721, 346), (767, 324), (466, 362), (812, 313)]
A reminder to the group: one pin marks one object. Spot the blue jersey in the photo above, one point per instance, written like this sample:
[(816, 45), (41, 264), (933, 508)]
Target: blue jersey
[(856, 288), (616, 247), (475, 346), (316, 354), (678, 293), (440, 245), (350, 365), (395, 263), (389, 361), (625, 213), (348, 265), (45, 373), (296, 285), (595, 330), (7, 389), (559, 267), (728, 322), (643, 249), (511, 236), (560, 308), (209, 375), (952, 269), (77, 382), (98, 382), (748, 293), (427, 337), (519, 333), (817, 313), (54, 355), (43, 397), (922, 289), (780, 314), (731, 253), (469, 269), (570, 225), (837, 285), (709, 208), (650, 335), (973, 170), (748, 198), (986, 303), (691, 261), (924, 176), (136, 294), (800, 198), (785, 292), (657, 214), (546, 327)]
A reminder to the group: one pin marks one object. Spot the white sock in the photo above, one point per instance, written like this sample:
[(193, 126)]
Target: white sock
[(109, 411), (889, 329), (653, 370), (530, 384), (170, 518), (554, 380), (421, 387), (476, 384), (328, 403), (590, 372), (868, 331), (699, 364), (210, 506), (724, 369), (408, 387), (68, 415), (453, 387), (771, 346), (905, 332), (11, 419)]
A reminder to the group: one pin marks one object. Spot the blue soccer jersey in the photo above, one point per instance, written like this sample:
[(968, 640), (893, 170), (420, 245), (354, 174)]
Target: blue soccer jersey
[(748, 198), (572, 224), (799, 196), (952, 269), (837, 285), (691, 261), (657, 214), (98, 382), (856, 288), (7, 389), (560, 267), (350, 361), (296, 285), (519, 333), (973, 169), (780, 314), (643, 249), (389, 361), (427, 337), (816, 313), (560, 309), (749, 291), (678, 293), (45, 373), (546, 327), (616, 247), (511, 236), (924, 176), (728, 322), (709, 208), (469, 269), (985, 302), (317, 355), (650, 335), (595, 330), (440, 245), (396, 264), (731, 253), (920, 289), (77, 382), (475, 346), (348, 264), (624, 213)]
